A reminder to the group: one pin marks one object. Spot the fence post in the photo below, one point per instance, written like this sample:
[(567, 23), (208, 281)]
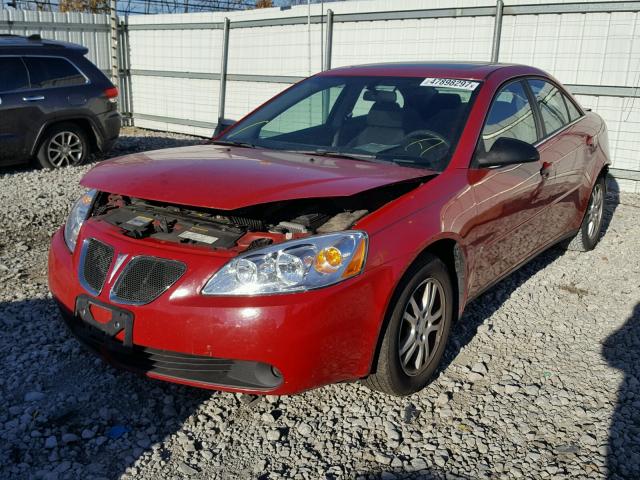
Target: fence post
[(125, 72), (223, 75), (113, 37), (497, 31), (328, 40)]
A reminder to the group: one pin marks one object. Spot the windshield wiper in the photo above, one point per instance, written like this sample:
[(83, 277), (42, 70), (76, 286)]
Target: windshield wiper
[(336, 154), (231, 143)]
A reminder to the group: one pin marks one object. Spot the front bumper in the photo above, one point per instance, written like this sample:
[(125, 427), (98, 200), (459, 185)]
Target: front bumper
[(309, 339)]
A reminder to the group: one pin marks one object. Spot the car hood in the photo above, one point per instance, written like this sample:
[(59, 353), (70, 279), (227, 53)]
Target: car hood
[(228, 178)]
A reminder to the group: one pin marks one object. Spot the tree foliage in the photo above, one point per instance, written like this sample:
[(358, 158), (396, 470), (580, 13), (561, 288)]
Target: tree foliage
[(88, 6)]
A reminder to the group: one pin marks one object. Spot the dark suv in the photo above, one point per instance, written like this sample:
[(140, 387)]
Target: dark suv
[(55, 105)]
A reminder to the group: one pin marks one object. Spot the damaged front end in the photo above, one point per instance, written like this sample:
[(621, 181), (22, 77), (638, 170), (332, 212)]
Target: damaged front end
[(246, 228), (286, 246)]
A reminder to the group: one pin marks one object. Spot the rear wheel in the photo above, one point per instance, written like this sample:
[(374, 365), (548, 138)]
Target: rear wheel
[(589, 234), (63, 145), (417, 331)]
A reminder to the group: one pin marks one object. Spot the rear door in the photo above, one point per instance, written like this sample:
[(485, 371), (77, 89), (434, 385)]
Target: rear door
[(562, 149), (15, 114), (56, 84), (511, 200)]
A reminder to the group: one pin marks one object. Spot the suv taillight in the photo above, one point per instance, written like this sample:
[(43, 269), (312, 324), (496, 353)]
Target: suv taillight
[(112, 94)]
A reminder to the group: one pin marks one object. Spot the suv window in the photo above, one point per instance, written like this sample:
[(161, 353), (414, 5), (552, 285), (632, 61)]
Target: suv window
[(510, 116), (552, 107), (13, 74), (48, 72)]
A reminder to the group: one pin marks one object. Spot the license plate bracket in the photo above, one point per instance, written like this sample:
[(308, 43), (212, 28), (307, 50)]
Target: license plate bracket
[(121, 319)]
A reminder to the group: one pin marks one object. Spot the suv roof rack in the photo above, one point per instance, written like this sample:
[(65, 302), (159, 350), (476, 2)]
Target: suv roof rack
[(9, 40), (35, 36)]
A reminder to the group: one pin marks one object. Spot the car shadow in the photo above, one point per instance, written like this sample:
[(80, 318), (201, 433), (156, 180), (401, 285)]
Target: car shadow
[(621, 350), (68, 415), (478, 311)]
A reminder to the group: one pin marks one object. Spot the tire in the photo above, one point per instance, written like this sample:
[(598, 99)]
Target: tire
[(65, 144), (398, 370), (590, 229)]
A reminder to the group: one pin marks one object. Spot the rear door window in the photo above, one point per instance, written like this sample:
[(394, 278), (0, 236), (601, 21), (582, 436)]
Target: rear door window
[(368, 97), (552, 106), (13, 74), (50, 72)]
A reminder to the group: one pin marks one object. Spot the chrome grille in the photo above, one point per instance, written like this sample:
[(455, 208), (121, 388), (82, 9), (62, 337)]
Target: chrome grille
[(95, 260), (145, 278)]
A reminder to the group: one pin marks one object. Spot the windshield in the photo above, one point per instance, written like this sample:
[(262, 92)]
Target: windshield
[(414, 122)]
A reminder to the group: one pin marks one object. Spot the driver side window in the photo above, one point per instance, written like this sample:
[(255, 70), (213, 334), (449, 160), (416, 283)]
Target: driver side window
[(510, 116)]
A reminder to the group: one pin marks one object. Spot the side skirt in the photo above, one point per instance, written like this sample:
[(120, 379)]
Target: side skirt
[(524, 262)]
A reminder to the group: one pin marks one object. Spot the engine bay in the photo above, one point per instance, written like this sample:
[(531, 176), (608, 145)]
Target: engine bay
[(241, 229)]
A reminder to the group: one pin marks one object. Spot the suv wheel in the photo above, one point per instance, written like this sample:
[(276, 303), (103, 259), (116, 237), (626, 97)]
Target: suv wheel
[(63, 145)]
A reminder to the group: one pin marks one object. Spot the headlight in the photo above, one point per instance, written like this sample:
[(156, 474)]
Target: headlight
[(292, 266), (77, 217)]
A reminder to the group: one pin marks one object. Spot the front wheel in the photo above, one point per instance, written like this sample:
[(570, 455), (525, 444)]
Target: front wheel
[(417, 331), (589, 234)]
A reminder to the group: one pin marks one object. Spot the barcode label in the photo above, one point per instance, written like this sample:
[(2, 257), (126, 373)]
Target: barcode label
[(450, 83)]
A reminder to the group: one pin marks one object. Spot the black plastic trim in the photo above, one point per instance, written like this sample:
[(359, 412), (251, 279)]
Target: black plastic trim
[(204, 370)]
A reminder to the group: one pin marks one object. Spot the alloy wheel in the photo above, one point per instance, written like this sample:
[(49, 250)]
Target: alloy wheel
[(64, 149), (594, 211), (421, 326)]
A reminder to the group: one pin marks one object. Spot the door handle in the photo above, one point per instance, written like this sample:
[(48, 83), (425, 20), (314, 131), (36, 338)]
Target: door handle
[(34, 98), (545, 170)]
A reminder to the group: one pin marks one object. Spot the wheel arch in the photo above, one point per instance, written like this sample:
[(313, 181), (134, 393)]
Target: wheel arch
[(449, 250), (83, 122), (604, 173)]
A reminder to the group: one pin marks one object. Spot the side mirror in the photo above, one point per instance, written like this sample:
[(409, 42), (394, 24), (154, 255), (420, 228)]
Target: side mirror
[(223, 124), (508, 151)]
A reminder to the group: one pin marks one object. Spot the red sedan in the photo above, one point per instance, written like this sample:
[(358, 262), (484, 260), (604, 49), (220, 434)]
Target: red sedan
[(333, 234)]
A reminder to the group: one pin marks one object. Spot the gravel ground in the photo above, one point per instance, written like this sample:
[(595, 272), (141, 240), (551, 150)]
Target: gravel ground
[(541, 379)]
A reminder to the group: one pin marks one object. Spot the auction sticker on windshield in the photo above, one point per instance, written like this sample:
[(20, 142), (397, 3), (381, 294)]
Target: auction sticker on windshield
[(450, 82)]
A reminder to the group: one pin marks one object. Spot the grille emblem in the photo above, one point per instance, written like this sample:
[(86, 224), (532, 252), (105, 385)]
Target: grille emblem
[(120, 259)]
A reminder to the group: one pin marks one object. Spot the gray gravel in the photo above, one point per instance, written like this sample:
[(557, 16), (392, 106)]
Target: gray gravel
[(541, 380)]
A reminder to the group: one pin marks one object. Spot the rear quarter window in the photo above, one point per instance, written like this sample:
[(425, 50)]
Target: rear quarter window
[(574, 113), (50, 72)]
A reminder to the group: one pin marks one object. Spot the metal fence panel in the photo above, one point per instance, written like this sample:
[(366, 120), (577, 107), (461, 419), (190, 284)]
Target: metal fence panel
[(90, 30), (172, 63)]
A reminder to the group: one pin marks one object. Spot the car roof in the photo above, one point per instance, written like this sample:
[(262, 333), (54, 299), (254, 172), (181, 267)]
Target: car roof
[(21, 43), (465, 70)]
